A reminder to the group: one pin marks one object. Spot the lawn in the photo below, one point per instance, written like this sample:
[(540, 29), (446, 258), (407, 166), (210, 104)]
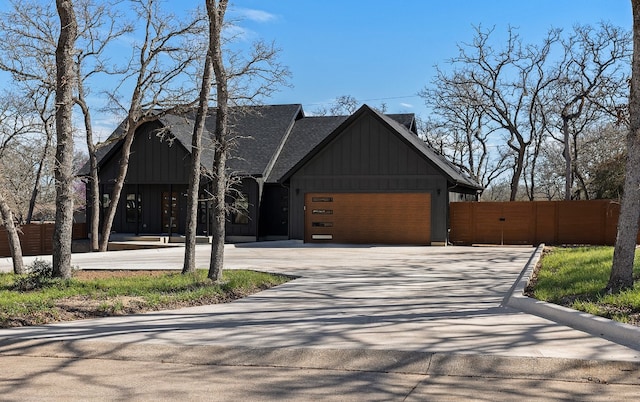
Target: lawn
[(33, 300), (576, 277)]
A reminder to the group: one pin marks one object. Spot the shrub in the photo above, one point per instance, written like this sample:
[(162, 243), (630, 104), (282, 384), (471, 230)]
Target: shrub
[(39, 274)]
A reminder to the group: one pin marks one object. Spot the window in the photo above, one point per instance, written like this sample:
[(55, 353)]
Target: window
[(322, 211), (240, 210), (106, 200), (322, 224), (202, 212), (322, 199), (133, 207)]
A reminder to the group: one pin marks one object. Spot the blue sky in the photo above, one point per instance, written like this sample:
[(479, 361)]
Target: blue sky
[(385, 51)]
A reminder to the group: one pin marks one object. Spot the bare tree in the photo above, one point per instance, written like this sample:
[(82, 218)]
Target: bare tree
[(29, 49), (216, 12), (196, 143), (460, 130), (11, 129), (341, 105), (506, 85), (64, 175), (6, 216), (624, 252), (100, 25), (162, 61), (241, 78), (27, 45), (46, 116), (590, 87)]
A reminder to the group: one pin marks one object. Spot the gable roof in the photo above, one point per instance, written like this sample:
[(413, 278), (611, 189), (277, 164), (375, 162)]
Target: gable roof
[(273, 141), (453, 174), (306, 134), (260, 133), (310, 131)]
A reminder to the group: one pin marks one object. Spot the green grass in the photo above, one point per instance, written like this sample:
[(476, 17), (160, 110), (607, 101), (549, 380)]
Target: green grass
[(577, 277), (83, 298)]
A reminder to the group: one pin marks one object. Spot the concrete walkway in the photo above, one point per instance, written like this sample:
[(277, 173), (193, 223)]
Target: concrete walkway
[(394, 311)]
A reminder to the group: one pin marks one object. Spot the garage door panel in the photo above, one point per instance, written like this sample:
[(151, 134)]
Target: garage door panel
[(397, 218)]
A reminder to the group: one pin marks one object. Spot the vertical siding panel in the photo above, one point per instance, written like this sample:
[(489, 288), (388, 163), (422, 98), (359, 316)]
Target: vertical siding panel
[(357, 152), (383, 152)]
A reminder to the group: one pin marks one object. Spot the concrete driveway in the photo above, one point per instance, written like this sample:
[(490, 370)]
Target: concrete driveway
[(420, 299)]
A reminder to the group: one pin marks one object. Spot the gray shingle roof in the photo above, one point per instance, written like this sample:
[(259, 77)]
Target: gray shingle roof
[(306, 134), (450, 170), (274, 139), (452, 173), (260, 132)]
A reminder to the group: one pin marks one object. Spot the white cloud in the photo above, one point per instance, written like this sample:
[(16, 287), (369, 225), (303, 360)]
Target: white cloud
[(407, 105), (255, 15)]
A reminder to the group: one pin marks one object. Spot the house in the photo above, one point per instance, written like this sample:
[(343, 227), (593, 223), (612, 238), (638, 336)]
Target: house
[(364, 178)]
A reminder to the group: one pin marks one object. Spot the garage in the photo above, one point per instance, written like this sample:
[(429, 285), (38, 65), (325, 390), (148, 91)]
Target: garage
[(376, 218)]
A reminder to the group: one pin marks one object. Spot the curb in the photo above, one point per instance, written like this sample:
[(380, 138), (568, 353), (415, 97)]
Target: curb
[(624, 334), (363, 360)]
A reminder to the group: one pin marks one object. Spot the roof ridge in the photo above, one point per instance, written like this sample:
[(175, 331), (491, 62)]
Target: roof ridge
[(283, 140)]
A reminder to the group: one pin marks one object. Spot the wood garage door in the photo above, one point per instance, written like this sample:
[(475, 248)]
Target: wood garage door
[(383, 218)]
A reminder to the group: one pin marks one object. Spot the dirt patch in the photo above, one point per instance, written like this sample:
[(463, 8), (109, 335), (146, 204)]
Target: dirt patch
[(533, 280), (87, 275)]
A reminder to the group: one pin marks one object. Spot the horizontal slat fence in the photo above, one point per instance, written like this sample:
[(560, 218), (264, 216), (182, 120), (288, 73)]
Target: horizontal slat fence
[(551, 222), (37, 238)]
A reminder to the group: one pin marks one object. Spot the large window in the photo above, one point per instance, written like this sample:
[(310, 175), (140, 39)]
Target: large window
[(202, 211), (133, 207), (105, 201)]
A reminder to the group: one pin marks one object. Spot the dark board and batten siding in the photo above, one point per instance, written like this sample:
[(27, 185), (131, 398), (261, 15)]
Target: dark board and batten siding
[(153, 160), (159, 168), (367, 158)]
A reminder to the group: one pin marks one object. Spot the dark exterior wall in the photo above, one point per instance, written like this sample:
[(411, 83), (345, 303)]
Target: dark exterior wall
[(274, 212), (250, 188), (152, 161), (368, 157), (155, 166)]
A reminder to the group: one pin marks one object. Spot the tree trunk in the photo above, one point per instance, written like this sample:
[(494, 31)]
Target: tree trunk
[(219, 217), (130, 129), (36, 184), (12, 234), (194, 174), (624, 252), (515, 179), (567, 159), (94, 202), (94, 184), (216, 18), (63, 171)]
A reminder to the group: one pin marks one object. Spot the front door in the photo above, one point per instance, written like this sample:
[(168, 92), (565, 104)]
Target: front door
[(169, 211)]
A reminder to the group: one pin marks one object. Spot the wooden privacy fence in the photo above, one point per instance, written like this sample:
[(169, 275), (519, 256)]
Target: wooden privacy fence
[(551, 222), (37, 238)]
